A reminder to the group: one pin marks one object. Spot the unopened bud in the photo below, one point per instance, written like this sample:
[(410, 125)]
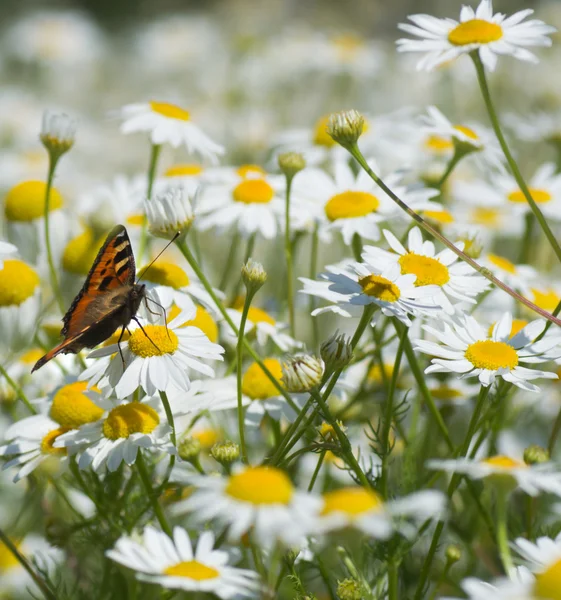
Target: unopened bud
[(253, 275), (189, 448), (349, 589), (327, 432), (291, 163), (345, 127), (472, 245), (453, 553), (464, 145), (58, 132), (336, 352), (225, 452), (301, 373), (534, 455)]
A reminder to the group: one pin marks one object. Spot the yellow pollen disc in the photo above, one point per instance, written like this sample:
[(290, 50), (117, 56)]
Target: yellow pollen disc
[(31, 356), (184, 170), (7, 559), (502, 263), (26, 201), (438, 144), (485, 216), (246, 170), (137, 220), (347, 45), (126, 419), (48, 441), (204, 321), (260, 485), (320, 135), (517, 325), (157, 341), (539, 196), (257, 315), (470, 133), (548, 583), (491, 355), (503, 462), (440, 216), (165, 273), (349, 205), (429, 271), (353, 501), (192, 569), (18, 282), (546, 299), (170, 110), (253, 191), (256, 385), (80, 253), (379, 287), (444, 392), (475, 31), (207, 437), (375, 374), (71, 408)]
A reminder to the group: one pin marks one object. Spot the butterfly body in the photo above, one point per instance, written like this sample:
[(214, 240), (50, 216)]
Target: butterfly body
[(109, 299)]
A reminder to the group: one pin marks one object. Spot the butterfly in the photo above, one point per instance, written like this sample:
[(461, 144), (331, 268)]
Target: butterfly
[(109, 299)]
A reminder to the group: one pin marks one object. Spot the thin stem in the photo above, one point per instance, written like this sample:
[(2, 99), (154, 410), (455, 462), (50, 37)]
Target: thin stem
[(230, 261), (239, 355), (155, 150), (357, 247), (290, 431), (482, 79), (288, 256), (313, 273), (316, 471), (173, 436), (526, 245), (145, 478), (554, 433), (393, 582), (18, 390), (248, 252), (502, 531), (458, 155), (53, 160), (356, 153)]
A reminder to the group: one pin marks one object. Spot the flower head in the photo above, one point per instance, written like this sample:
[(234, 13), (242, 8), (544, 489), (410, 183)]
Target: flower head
[(345, 127), (169, 213), (58, 131)]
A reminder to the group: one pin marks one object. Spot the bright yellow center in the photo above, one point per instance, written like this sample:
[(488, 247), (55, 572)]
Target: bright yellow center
[(7, 559), (253, 191), (256, 385), (204, 321), (347, 45), (260, 485), (137, 220), (375, 374), (502, 263), (547, 299), (253, 170), (353, 501), (18, 282), (320, 135), (207, 437), (548, 583), (491, 355), (350, 205), (31, 356), (71, 408), (436, 143), (165, 273), (429, 271), (475, 31), (192, 569), (485, 216), (470, 133), (517, 325), (170, 110), (184, 170), (126, 419), (80, 252), (48, 441), (379, 287), (539, 196), (26, 201), (157, 341), (254, 314), (445, 392), (503, 462), (440, 216)]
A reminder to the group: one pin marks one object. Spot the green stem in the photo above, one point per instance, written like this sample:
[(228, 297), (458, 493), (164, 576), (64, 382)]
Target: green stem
[(239, 355), (248, 252), (313, 273), (357, 247), (393, 582), (279, 452), (155, 150), (232, 251), (502, 531), (173, 437), (316, 471), (356, 153), (554, 433), (145, 478), (52, 271), (526, 245), (18, 390), (288, 256), (482, 79), (449, 168)]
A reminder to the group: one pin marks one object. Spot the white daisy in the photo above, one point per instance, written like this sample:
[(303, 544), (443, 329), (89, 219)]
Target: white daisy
[(519, 586), (257, 499), (518, 277), (465, 347), (185, 175), (491, 34), (169, 213), (173, 564), (455, 280), (169, 124), (157, 357), (543, 558)]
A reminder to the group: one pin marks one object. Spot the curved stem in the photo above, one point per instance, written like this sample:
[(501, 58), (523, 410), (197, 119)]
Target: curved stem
[(145, 478), (239, 355), (229, 261), (153, 163), (316, 471), (450, 167), (18, 390), (502, 531), (288, 256)]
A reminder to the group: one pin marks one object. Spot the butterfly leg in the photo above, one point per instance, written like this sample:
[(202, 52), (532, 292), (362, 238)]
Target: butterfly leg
[(144, 332), (119, 344), (155, 313)]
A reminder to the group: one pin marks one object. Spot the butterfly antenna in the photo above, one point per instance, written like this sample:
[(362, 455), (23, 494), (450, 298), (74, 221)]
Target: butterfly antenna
[(160, 254)]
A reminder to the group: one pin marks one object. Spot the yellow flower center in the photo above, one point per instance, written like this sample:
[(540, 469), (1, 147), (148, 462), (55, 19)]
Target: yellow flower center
[(80, 252), (246, 170), (440, 216), (548, 583), (547, 299), (26, 201), (253, 191), (48, 441), (192, 569), (436, 143), (207, 437), (429, 271), (517, 325), (171, 111), (375, 374), (445, 392), (349, 205), (502, 263), (353, 501), (485, 216), (475, 31), (379, 287), (137, 220), (157, 341), (256, 385), (126, 419), (347, 45), (204, 321), (72, 408), (260, 485), (539, 196), (7, 559), (468, 132), (320, 135), (184, 170), (165, 273), (257, 315), (491, 355), (18, 282), (31, 356), (503, 462)]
